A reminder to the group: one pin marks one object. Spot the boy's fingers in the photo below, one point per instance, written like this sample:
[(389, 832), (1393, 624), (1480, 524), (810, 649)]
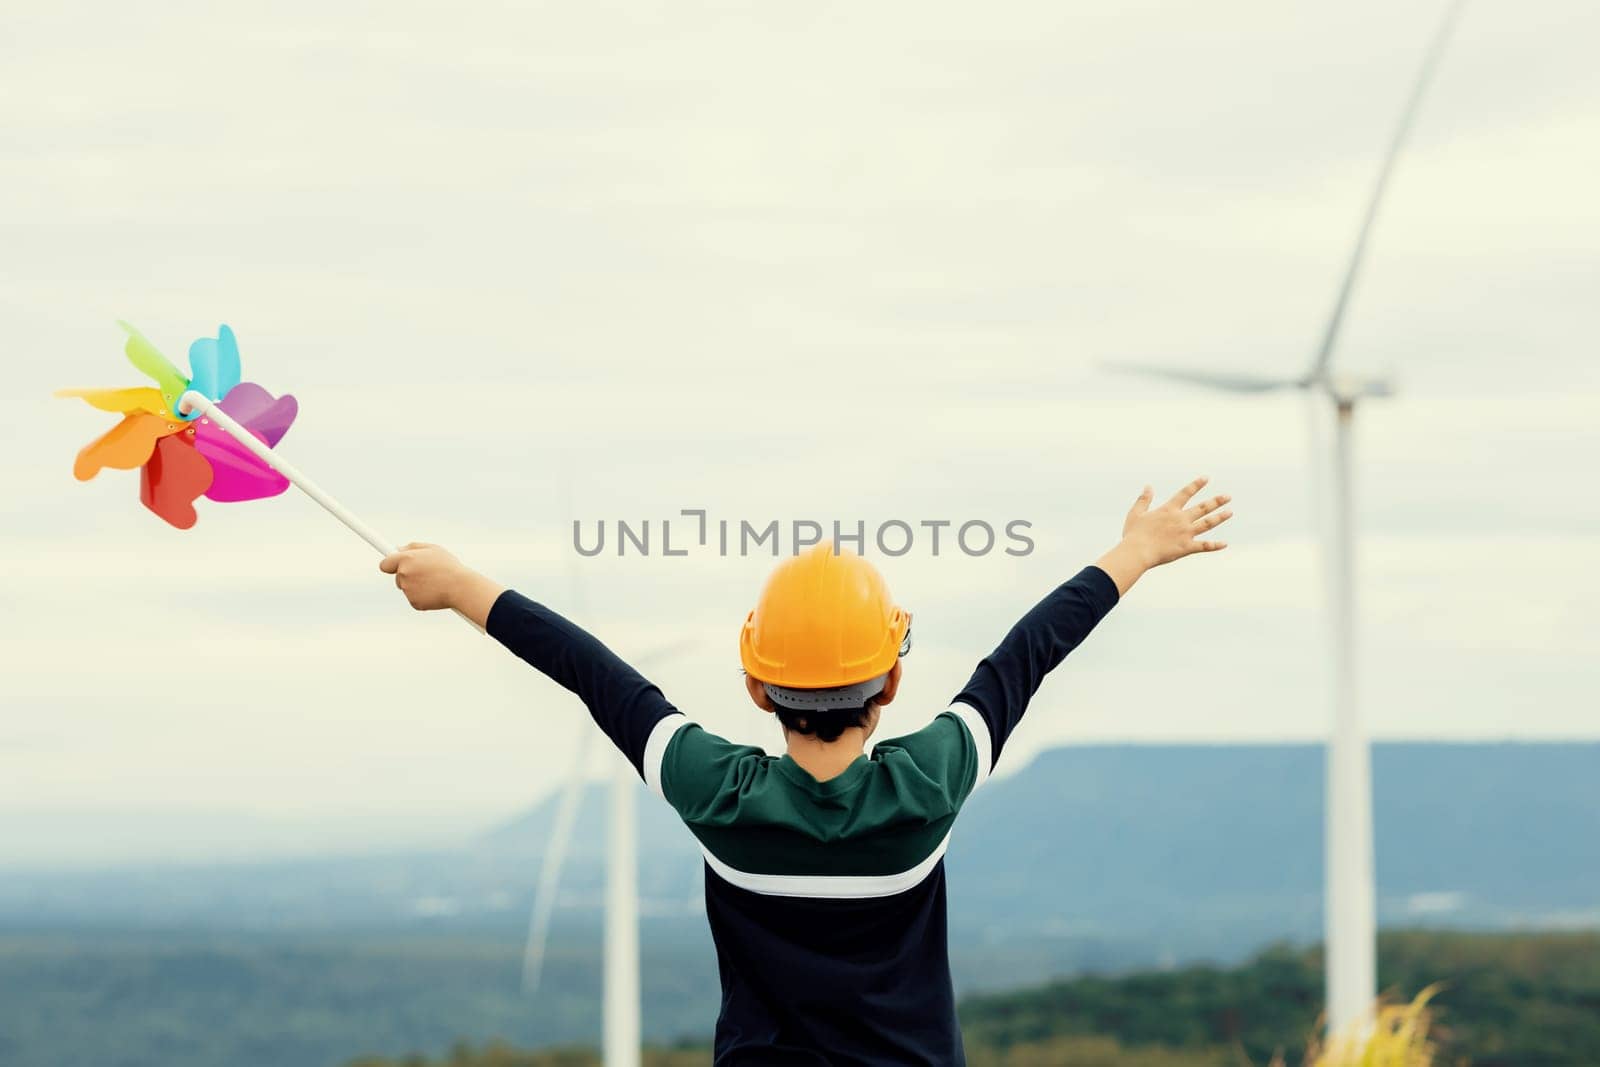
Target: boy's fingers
[(1182, 496), (1210, 546), (411, 545), (390, 564), (1208, 506), (1142, 503), (1212, 521)]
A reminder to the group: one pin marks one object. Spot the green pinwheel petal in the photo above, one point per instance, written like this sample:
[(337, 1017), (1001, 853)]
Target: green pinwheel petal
[(144, 355)]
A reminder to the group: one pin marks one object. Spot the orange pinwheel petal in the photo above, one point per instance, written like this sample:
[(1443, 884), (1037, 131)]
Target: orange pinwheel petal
[(139, 398), (126, 445), (175, 476)]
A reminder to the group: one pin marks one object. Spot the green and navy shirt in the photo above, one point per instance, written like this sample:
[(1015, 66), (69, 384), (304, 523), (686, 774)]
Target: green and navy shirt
[(826, 899)]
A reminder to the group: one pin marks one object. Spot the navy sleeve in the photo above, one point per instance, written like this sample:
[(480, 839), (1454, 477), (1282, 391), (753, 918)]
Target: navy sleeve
[(624, 704), (1007, 678)]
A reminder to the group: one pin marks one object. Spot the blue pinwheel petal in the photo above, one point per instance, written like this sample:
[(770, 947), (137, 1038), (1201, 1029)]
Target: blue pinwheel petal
[(229, 370), (214, 365)]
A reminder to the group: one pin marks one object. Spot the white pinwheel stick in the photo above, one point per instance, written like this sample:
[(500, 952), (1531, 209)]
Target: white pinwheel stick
[(195, 401)]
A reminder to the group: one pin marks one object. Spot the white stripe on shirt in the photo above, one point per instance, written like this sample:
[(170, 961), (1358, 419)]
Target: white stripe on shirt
[(833, 886), (655, 750)]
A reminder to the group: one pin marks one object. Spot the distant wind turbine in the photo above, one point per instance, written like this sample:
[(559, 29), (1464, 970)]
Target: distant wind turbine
[(555, 849), (620, 1012), (550, 864), (1349, 912)]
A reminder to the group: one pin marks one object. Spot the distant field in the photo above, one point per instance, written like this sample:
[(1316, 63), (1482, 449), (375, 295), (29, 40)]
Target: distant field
[(266, 1000), (189, 998), (263, 1000)]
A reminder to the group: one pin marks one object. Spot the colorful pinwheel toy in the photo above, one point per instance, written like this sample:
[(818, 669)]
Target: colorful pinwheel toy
[(208, 434), (181, 450)]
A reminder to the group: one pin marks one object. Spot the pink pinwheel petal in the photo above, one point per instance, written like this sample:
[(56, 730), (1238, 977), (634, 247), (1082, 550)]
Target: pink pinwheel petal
[(238, 474), (264, 415)]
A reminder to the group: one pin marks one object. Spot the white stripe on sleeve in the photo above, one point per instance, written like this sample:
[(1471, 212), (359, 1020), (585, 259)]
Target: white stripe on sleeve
[(655, 750), (978, 727)]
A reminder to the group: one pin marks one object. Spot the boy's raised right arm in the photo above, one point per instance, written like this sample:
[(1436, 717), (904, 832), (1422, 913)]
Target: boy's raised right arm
[(623, 703)]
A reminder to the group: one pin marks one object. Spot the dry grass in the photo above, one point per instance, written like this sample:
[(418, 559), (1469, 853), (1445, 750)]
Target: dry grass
[(1399, 1038)]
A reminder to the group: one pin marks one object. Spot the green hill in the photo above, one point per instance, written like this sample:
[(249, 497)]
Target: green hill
[(1510, 1000)]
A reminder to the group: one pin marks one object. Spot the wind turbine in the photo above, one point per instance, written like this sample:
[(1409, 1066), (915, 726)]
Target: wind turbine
[(620, 1005), (1349, 912)]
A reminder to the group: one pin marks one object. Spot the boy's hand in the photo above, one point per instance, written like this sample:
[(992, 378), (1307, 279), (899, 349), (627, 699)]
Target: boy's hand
[(1172, 530), (432, 578), (1153, 536)]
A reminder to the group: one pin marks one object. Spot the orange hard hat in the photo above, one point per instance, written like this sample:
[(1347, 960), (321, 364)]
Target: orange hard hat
[(825, 619)]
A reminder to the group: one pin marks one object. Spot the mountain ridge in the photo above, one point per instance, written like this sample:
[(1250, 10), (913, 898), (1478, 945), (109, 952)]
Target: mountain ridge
[(1209, 849)]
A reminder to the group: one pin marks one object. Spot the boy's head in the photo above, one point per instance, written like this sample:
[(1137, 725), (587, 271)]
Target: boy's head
[(822, 648)]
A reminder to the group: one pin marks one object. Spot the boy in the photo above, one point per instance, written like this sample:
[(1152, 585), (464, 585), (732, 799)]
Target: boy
[(824, 867)]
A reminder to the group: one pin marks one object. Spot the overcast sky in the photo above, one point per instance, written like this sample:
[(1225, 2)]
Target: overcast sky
[(827, 261)]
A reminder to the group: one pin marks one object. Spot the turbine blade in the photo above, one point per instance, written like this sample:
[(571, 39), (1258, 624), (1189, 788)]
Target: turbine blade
[(1226, 380), (544, 898), (555, 855), (1397, 142)]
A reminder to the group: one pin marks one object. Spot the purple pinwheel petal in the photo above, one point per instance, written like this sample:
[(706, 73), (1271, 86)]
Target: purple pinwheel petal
[(238, 474), (264, 415)]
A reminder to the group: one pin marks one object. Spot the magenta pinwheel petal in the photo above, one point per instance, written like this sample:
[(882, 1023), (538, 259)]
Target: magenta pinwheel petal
[(264, 415), (238, 473)]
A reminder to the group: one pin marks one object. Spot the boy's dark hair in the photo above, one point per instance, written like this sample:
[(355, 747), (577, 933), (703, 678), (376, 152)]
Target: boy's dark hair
[(823, 725)]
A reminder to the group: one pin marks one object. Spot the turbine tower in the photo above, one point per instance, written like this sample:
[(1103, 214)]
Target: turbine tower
[(619, 1045), (1349, 909)]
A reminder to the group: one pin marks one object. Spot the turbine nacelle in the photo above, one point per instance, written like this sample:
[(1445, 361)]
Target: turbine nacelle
[(1348, 388)]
